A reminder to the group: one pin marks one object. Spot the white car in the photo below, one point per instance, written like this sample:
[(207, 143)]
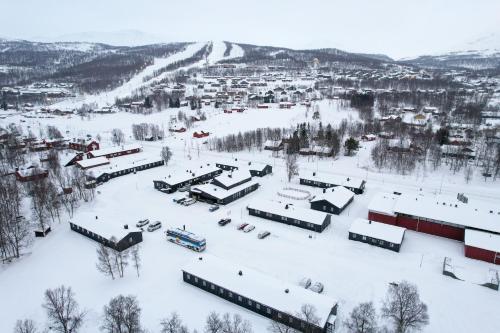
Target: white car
[(305, 282), (142, 223), (154, 226), (248, 228), (317, 287), (188, 202)]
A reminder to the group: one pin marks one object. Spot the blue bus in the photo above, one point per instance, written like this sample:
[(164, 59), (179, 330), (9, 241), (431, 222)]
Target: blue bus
[(186, 239)]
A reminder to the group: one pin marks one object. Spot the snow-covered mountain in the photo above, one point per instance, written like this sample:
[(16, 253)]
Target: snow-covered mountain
[(115, 38), (479, 53)]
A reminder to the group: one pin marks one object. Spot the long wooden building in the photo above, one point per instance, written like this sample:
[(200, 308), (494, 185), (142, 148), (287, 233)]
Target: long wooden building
[(261, 293), (289, 214), (110, 234), (324, 180), (107, 172), (191, 176)]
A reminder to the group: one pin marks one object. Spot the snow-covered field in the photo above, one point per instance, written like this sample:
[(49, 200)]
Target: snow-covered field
[(352, 272)]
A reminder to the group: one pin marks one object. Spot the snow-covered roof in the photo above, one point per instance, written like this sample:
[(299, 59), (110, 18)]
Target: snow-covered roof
[(106, 228), (260, 287), (382, 231), (445, 208), (482, 240), (338, 196), (271, 143), (219, 192), (121, 164), (383, 203), (92, 162), (182, 175), (292, 212), (242, 165), (113, 150), (334, 179), (229, 178)]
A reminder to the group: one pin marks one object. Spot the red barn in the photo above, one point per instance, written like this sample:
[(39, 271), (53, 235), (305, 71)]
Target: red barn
[(482, 246), (444, 216), (84, 145)]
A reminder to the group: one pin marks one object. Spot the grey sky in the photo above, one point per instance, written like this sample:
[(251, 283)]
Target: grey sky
[(398, 28)]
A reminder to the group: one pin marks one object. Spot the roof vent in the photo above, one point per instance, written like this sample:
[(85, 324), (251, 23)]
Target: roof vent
[(286, 206), (287, 290), (491, 212), (200, 258), (314, 173), (240, 273)]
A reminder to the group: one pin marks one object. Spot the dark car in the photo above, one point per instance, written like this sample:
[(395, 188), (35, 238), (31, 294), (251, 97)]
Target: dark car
[(213, 208), (223, 222), (242, 226)]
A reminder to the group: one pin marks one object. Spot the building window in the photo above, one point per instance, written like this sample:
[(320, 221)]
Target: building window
[(364, 237), (279, 315), (250, 302), (188, 276), (196, 279), (353, 236), (212, 287), (391, 245), (290, 320), (230, 294), (240, 299), (268, 310), (204, 284), (257, 305), (221, 290)]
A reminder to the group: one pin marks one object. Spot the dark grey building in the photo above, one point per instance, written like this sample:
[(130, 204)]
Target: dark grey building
[(256, 169), (378, 234), (104, 176), (333, 200), (262, 294), (218, 195), (291, 215), (123, 239), (173, 182), (328, 180)]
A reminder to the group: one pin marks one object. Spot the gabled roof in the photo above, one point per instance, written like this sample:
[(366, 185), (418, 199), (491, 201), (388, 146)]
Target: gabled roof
[(289, 211), (382, 231), (338, 196), (260, 287)]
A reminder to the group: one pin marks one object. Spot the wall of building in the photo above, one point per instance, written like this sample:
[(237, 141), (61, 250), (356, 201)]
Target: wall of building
[(374, 241), (482, 254), (250, 304)]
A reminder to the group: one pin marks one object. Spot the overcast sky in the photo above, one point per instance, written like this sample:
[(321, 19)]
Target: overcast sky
[(397, 28)]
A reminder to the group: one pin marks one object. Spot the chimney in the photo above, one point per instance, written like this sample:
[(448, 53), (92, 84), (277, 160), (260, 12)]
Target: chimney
[(287, 291), (125, 226), (200, 258), (286, 206), (314, 173), (184, 227), (324, 190), (240, 273)]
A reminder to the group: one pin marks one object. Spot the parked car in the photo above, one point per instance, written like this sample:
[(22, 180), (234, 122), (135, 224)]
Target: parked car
[(317, 287), (305, 282), (263, 234), (223, 222), (184, 188), (142, 223), (248, 228), (189, 202), (179, 200), (213, 208), (154, 226), (242, 226)]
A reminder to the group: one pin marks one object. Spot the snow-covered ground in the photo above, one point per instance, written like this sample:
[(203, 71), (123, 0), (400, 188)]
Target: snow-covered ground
[(352, 272)]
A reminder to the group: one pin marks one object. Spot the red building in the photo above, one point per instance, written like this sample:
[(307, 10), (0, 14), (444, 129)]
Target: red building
[(443, 216), (483, 246), (84, 145), (201, 134), (115, 151), (29, 175)]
